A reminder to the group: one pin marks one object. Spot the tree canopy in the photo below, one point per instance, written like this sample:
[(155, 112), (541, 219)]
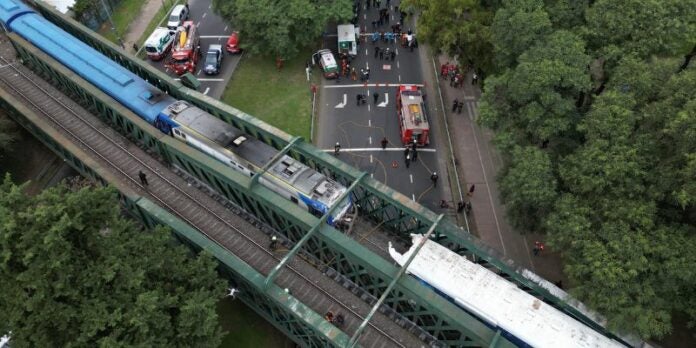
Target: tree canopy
[(280, 28), (75, 273), (8, 133), (593, 104)]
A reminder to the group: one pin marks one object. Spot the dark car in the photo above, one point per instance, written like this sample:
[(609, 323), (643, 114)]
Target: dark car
[(213, 60), (233, 43)]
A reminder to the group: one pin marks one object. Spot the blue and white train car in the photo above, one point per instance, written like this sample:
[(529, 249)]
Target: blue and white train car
[(187, 123), (523, 319)]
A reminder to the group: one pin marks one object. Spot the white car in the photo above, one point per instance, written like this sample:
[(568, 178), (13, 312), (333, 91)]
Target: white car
[(179, 14)]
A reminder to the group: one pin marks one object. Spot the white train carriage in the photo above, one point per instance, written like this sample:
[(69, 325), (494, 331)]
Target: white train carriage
[(289, 178), (523, 319)]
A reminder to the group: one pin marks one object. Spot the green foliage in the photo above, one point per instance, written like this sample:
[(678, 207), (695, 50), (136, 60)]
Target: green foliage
[(459, 28), (82, 6), (279, 28), (594, 107), (76, 274)]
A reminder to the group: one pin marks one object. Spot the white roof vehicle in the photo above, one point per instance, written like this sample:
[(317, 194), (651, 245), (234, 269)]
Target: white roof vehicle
[(159, 43)]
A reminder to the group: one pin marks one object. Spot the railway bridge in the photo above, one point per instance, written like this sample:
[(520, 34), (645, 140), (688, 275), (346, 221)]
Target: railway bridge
[(211, 207)]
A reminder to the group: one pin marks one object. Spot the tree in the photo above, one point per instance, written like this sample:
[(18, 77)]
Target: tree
[(76, 274), (517, 26), (529, 187), (460, 28), (280, 28)]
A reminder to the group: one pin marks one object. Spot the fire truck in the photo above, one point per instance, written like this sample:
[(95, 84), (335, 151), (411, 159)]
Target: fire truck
[(413, 123), (186, 50)]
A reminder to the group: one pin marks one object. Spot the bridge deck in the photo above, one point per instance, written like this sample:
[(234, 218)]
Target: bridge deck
[(124, 159)]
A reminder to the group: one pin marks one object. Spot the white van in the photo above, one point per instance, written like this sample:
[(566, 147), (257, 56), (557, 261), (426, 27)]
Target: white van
[(159, 43), (348, 36), (179, 14)]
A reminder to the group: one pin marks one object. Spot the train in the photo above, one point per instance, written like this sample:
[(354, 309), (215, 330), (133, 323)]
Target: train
[(523, 319), (187, 123)]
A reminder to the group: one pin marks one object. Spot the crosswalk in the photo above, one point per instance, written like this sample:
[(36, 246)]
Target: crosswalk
[(473, 109)]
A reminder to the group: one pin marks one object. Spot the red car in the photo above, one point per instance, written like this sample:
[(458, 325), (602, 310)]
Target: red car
[(233, 43)]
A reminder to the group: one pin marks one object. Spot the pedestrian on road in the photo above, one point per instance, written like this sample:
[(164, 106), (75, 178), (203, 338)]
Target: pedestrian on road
[(443, 204), (454, 105), (375, 96), (467, 207), (393, 55), (459, 107), (406, 152), (408, 159), (471, 190), (353, 74), (434, 178), (474, 79), (538, 247), (143, 178), (358, 98), (460, 207), (381, 55), (377, 50), (274, 244), (374, 23), (414, 146), (384, 143), (337, 148), (452, 80)]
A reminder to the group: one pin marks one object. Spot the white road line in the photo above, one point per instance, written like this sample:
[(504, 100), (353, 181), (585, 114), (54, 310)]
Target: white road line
[(369, 123), (199, 72), (204, 14), (364, 16), (372, 175), (366, 51), (370, 158), (225, 28), (198, 24), (207, 89), (343, 104), (413, 197), (397, 64), (166, 70), (368, 107), (468, 108), (367, 65), (213, 36), (399, 78), (371, 85), (368, 92), (392, 17), (410, 176), (397, 51), (385, 102), (369, 139), (368, 149), (209, 6)]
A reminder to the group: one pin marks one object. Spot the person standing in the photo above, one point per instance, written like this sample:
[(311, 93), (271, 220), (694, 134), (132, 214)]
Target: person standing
[(143, 178), (358, 98), (384, 143), (381, 55), (376, 51), (434, 178), (414, 151), (408, 159), (353, 74), (375, 96), (538, 247), (393, 55), (337, 148), (459, 107), (460, 207), (474, 79), (471, 190), (454, 105)]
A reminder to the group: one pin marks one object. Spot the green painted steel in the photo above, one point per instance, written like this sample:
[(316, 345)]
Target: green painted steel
[(377, 202)]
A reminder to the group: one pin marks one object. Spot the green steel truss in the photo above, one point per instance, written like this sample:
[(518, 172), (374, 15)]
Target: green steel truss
[(377, 202)]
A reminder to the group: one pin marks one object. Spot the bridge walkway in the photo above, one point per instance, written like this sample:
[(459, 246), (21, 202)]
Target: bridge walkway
[(233, 232)]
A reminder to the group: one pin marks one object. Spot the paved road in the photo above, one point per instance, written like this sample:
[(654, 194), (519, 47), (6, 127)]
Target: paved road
[(213, 30), (359, 129)]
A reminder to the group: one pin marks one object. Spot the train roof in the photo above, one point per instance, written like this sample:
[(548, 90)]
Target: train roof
[(116, 81), (498, 301)]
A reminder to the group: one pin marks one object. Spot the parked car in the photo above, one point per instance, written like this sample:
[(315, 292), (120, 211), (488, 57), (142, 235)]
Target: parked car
[(233, 43), (326, 60), (179, 14), (213, 60), (159, 43)]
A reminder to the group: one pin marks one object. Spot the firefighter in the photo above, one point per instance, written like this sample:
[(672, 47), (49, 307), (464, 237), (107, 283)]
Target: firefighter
[(337, 148), (274, 243), (384, 143), (434, 178)]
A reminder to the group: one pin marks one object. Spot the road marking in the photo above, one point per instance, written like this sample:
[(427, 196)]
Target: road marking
[(199, 72), (366, 51), (210, 80), (369, 123), (345, 101), (399, 78), (471, 112), (207, 89), (397, 51), (371, 85), (365, 16), (368, 149), (370, 158), (166, 70), (197, 24), (209, 6), (397, 64), (225, 28), (392, 17), (367, 65), (372, 175), (213, 36), (410, 176), (385, 102), (204, 13), (413, 197), (369, 139), (368, 108)]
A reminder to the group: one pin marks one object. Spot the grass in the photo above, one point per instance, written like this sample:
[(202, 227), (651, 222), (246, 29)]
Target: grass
[(122, 16), (247, 329), (280, 98)]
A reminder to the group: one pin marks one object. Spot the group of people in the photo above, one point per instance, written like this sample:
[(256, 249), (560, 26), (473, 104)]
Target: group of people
[(336, 319), (385, 52), (411, 153), (455, 74)]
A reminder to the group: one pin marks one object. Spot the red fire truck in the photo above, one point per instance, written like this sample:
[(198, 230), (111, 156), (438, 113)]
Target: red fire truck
[(186, 50), (413, 122)]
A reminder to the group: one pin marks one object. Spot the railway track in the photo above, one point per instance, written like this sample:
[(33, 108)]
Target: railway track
[(228, 230)]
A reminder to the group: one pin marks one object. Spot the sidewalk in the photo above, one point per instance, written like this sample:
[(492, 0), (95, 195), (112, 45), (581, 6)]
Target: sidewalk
[(140, 23), (478, 163)]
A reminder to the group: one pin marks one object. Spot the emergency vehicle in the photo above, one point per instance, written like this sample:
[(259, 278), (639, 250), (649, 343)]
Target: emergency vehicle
[(348, 39), (159, 43), (327, 61), (413, 123), (186, 50)]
